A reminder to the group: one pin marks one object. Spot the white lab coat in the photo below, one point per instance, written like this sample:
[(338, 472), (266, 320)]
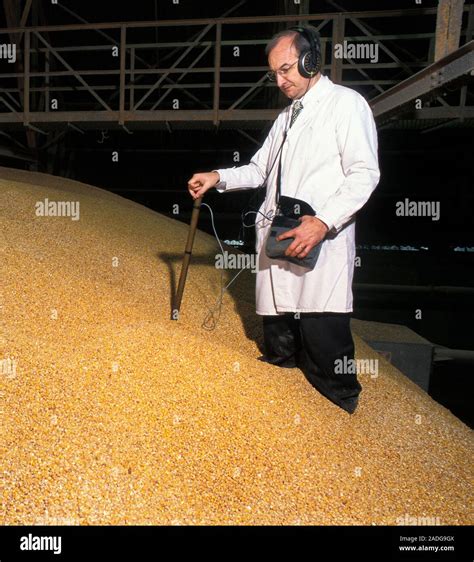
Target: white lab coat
[(329, 160)]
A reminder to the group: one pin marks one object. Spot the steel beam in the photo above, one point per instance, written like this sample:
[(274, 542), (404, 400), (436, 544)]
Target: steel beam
[(364, 74), (127, 77), (191, 70), (10, 153), (142, 116), (193, 38), (249, 137), (113, 41), (26, 12), (240, 42), (217, 73), (13, 140), (123, 54), (132, 78), (448, 27), (165, 75), (74, 72), (252, 86), (337, 39), (381, 45), (428, 81), (450, 112), (176, 84), (8, 105), (374, 35), (249, 91), (441, 125), (26, 79), (247, 20)]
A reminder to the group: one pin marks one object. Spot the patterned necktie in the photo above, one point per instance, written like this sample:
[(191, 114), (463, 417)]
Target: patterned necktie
[(296, 111)]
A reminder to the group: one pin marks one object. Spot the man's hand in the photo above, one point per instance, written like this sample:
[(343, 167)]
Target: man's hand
[(202, 182), (310, 232)]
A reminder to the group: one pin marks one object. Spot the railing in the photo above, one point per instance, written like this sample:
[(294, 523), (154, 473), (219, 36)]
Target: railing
[(58, 76)]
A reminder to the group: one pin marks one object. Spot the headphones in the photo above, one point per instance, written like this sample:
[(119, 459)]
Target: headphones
[(309, 61)]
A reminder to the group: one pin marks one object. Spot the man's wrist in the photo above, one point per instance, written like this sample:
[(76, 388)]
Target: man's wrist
[(327, 223), (323, 223)]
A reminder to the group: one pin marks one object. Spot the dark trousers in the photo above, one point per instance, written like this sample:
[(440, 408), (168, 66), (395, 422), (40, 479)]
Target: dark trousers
[(317, 343)]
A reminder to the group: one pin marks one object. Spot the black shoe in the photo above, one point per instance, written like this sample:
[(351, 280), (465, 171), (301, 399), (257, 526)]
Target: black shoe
[(289, 363), (350, 405)]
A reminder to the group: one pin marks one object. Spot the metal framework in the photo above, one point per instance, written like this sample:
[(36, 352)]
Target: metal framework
[(458, 65), (131, 90)]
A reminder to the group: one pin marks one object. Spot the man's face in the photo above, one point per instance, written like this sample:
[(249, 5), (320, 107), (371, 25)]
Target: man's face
[(284, 54)]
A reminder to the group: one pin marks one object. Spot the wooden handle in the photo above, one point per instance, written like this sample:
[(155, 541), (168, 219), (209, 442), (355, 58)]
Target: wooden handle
[(186, 259)]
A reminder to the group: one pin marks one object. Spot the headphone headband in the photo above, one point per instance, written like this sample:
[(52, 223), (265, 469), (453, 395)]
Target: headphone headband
[(309, 62)]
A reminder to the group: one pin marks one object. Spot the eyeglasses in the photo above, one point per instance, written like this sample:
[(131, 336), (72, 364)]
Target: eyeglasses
[(272, 74)]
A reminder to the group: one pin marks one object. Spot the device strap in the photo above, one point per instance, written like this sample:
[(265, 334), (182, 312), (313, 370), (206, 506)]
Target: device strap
[(278, 182)]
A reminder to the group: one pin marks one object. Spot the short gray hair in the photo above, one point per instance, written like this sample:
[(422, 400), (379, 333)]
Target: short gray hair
[(300, 42)]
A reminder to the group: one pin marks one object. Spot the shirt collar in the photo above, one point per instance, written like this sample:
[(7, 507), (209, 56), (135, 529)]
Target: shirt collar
[(314, 94)]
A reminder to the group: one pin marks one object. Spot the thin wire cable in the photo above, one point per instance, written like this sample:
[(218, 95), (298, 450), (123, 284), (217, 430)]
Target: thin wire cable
[(210, 320), (263, 184)]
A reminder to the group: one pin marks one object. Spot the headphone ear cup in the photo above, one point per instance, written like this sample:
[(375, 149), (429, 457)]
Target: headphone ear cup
[(317, 63), (307, 67)]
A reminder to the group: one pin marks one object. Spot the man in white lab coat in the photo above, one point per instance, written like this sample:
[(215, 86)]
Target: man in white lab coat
[(327, 141)]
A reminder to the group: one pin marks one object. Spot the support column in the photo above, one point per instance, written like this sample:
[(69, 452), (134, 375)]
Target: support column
[(448, 27)]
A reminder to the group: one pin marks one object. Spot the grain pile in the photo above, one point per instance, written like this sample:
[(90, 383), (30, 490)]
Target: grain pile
[(114, 414)]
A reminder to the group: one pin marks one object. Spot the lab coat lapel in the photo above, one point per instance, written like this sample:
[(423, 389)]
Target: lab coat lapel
[(310, 100)]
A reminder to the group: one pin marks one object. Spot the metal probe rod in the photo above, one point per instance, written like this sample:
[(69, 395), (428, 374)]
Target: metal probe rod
[(186, 259)]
